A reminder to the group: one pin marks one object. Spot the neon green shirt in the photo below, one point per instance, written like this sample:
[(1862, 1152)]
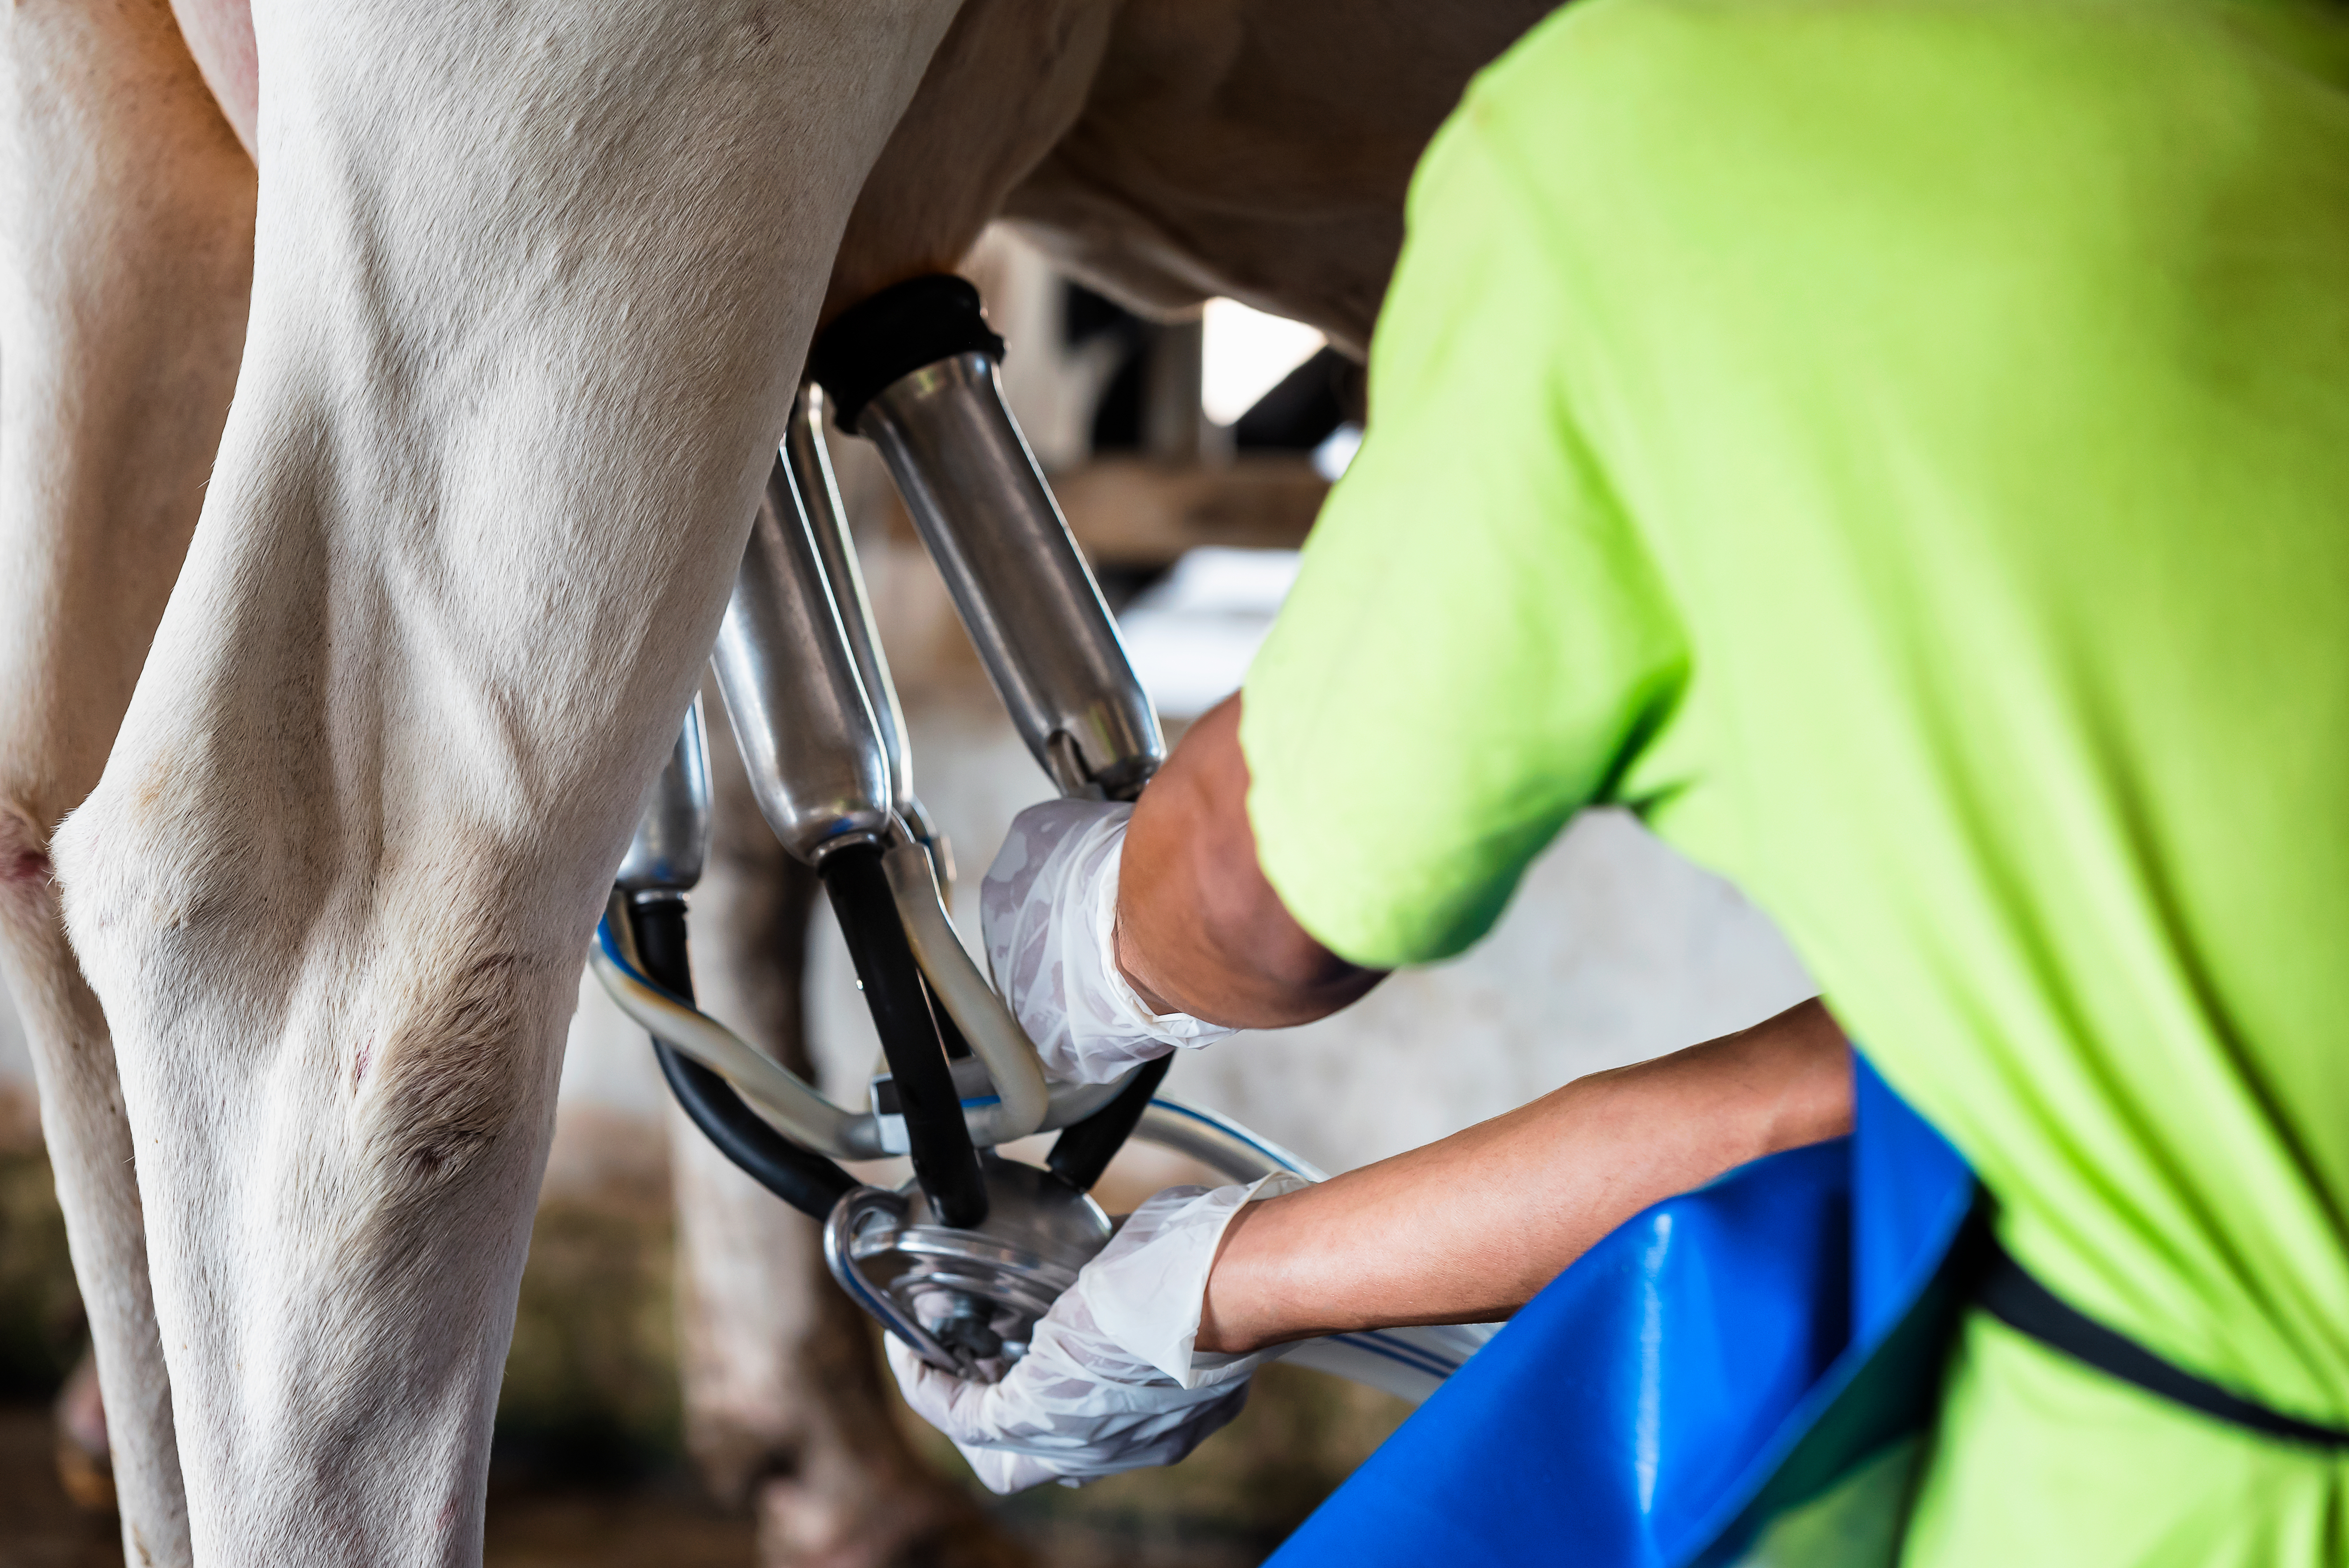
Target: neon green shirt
[(1902, 449)]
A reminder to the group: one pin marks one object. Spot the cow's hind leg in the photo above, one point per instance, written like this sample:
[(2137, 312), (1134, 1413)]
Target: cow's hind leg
[(126, 237), (532, 285)]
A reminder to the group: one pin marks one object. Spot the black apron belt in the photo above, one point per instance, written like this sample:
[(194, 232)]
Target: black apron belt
[(2030, 1308)]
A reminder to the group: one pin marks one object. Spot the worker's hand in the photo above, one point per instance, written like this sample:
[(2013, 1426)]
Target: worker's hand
[(1049, 909), (1110, 1381)]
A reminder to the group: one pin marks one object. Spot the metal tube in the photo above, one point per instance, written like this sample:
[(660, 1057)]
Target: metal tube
[(809, 459), (1017, 578), (815, 755), (665, 859), (810, 462), (672, 841)]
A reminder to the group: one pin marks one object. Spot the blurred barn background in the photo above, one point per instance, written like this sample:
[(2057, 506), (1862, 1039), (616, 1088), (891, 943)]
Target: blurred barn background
[(1190, 458)]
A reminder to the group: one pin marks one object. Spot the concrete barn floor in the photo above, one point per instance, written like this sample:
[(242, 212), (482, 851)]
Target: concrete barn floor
[(40, 1529), (1225, 1508), (589, 1469)]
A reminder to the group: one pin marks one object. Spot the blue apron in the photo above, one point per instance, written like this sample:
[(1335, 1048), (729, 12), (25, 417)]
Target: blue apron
[(1744, 1373)]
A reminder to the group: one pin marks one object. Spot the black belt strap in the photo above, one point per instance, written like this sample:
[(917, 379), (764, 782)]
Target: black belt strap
[(2023, 1305)]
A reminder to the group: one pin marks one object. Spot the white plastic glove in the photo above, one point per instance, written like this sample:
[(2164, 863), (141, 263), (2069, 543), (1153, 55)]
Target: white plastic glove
[(1049, 909), (1110, 1381)]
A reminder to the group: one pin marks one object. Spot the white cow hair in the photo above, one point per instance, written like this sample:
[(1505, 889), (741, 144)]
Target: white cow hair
[(530, 290)]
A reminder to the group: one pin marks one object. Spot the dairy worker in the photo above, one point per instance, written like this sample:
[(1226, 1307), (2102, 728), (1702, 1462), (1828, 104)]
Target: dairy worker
[(1902, 451)]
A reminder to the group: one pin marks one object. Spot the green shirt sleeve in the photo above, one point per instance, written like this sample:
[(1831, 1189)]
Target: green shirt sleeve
[(1477, 642)]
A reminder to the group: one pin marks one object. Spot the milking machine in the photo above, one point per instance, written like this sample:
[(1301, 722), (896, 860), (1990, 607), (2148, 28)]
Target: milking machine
[(962, 1259)]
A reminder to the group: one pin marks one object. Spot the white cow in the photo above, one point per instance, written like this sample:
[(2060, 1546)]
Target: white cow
[(130, 222), (529, 292)]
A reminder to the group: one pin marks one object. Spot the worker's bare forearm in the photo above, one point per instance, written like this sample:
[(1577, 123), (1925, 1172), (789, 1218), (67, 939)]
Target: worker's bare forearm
[(1199, 929), (1469, 1228)]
